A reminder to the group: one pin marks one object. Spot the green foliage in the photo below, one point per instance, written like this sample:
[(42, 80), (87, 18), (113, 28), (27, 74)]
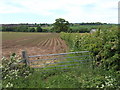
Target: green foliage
[(19, 76), (22, 28), (78, 78), (32, 81), (12, 71), (32, 30), (86, 28), (102, 44), (99, 81), (39, 29), (60, 25)]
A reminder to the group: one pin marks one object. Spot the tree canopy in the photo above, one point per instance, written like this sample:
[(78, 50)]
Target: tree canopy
[(60, 25), (39, 29)]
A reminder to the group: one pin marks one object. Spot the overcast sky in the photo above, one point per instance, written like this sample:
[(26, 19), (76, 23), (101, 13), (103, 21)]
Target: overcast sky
[(46, 11)]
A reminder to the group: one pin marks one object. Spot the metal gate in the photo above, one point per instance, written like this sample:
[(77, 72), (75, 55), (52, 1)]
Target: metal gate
[(81, 59)]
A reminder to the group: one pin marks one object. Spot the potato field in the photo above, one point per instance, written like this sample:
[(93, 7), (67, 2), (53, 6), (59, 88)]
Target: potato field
[(33, 43)]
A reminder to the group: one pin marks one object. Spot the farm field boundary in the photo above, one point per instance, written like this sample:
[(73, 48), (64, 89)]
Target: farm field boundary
[(59, 61)]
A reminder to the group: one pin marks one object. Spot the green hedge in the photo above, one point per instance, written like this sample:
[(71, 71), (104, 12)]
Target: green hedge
[(104, 45)]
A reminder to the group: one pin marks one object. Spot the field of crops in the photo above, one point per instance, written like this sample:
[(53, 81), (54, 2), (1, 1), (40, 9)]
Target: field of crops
[(33, 43), (104, 71)]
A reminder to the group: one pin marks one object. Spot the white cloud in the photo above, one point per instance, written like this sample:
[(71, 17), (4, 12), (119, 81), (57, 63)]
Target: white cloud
[(76, 10)]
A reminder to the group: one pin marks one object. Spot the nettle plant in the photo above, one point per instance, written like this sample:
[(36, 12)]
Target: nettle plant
[(12, 70)]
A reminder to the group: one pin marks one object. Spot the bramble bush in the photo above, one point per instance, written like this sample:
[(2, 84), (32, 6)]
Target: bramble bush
[(13, 70), (104, 47), (16, 75)]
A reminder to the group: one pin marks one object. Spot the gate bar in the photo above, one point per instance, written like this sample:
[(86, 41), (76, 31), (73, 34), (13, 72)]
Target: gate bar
[(57, 54)]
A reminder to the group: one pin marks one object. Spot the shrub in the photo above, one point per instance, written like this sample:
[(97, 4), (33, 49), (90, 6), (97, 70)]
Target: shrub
[(103, 45), (12, 70)]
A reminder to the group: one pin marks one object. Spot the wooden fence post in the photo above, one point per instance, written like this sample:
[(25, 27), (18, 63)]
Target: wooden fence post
[(25, 57)]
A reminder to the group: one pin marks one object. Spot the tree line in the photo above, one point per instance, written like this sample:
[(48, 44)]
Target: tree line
[(60, 25), (22, 28)]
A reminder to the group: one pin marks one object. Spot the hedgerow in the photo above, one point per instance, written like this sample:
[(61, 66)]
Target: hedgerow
[(103, 45), (13, 70)]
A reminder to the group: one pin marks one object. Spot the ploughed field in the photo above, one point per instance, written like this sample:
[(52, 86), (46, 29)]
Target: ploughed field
[(33, 43)]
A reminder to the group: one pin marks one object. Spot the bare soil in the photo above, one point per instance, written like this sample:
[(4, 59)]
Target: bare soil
[(34, 45)]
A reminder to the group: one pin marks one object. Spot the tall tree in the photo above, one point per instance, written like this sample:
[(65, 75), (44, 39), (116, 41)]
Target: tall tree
[(39, 29), (61, 25)]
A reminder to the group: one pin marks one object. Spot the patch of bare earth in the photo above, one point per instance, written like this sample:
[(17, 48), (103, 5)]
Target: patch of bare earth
[(34, 46)]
